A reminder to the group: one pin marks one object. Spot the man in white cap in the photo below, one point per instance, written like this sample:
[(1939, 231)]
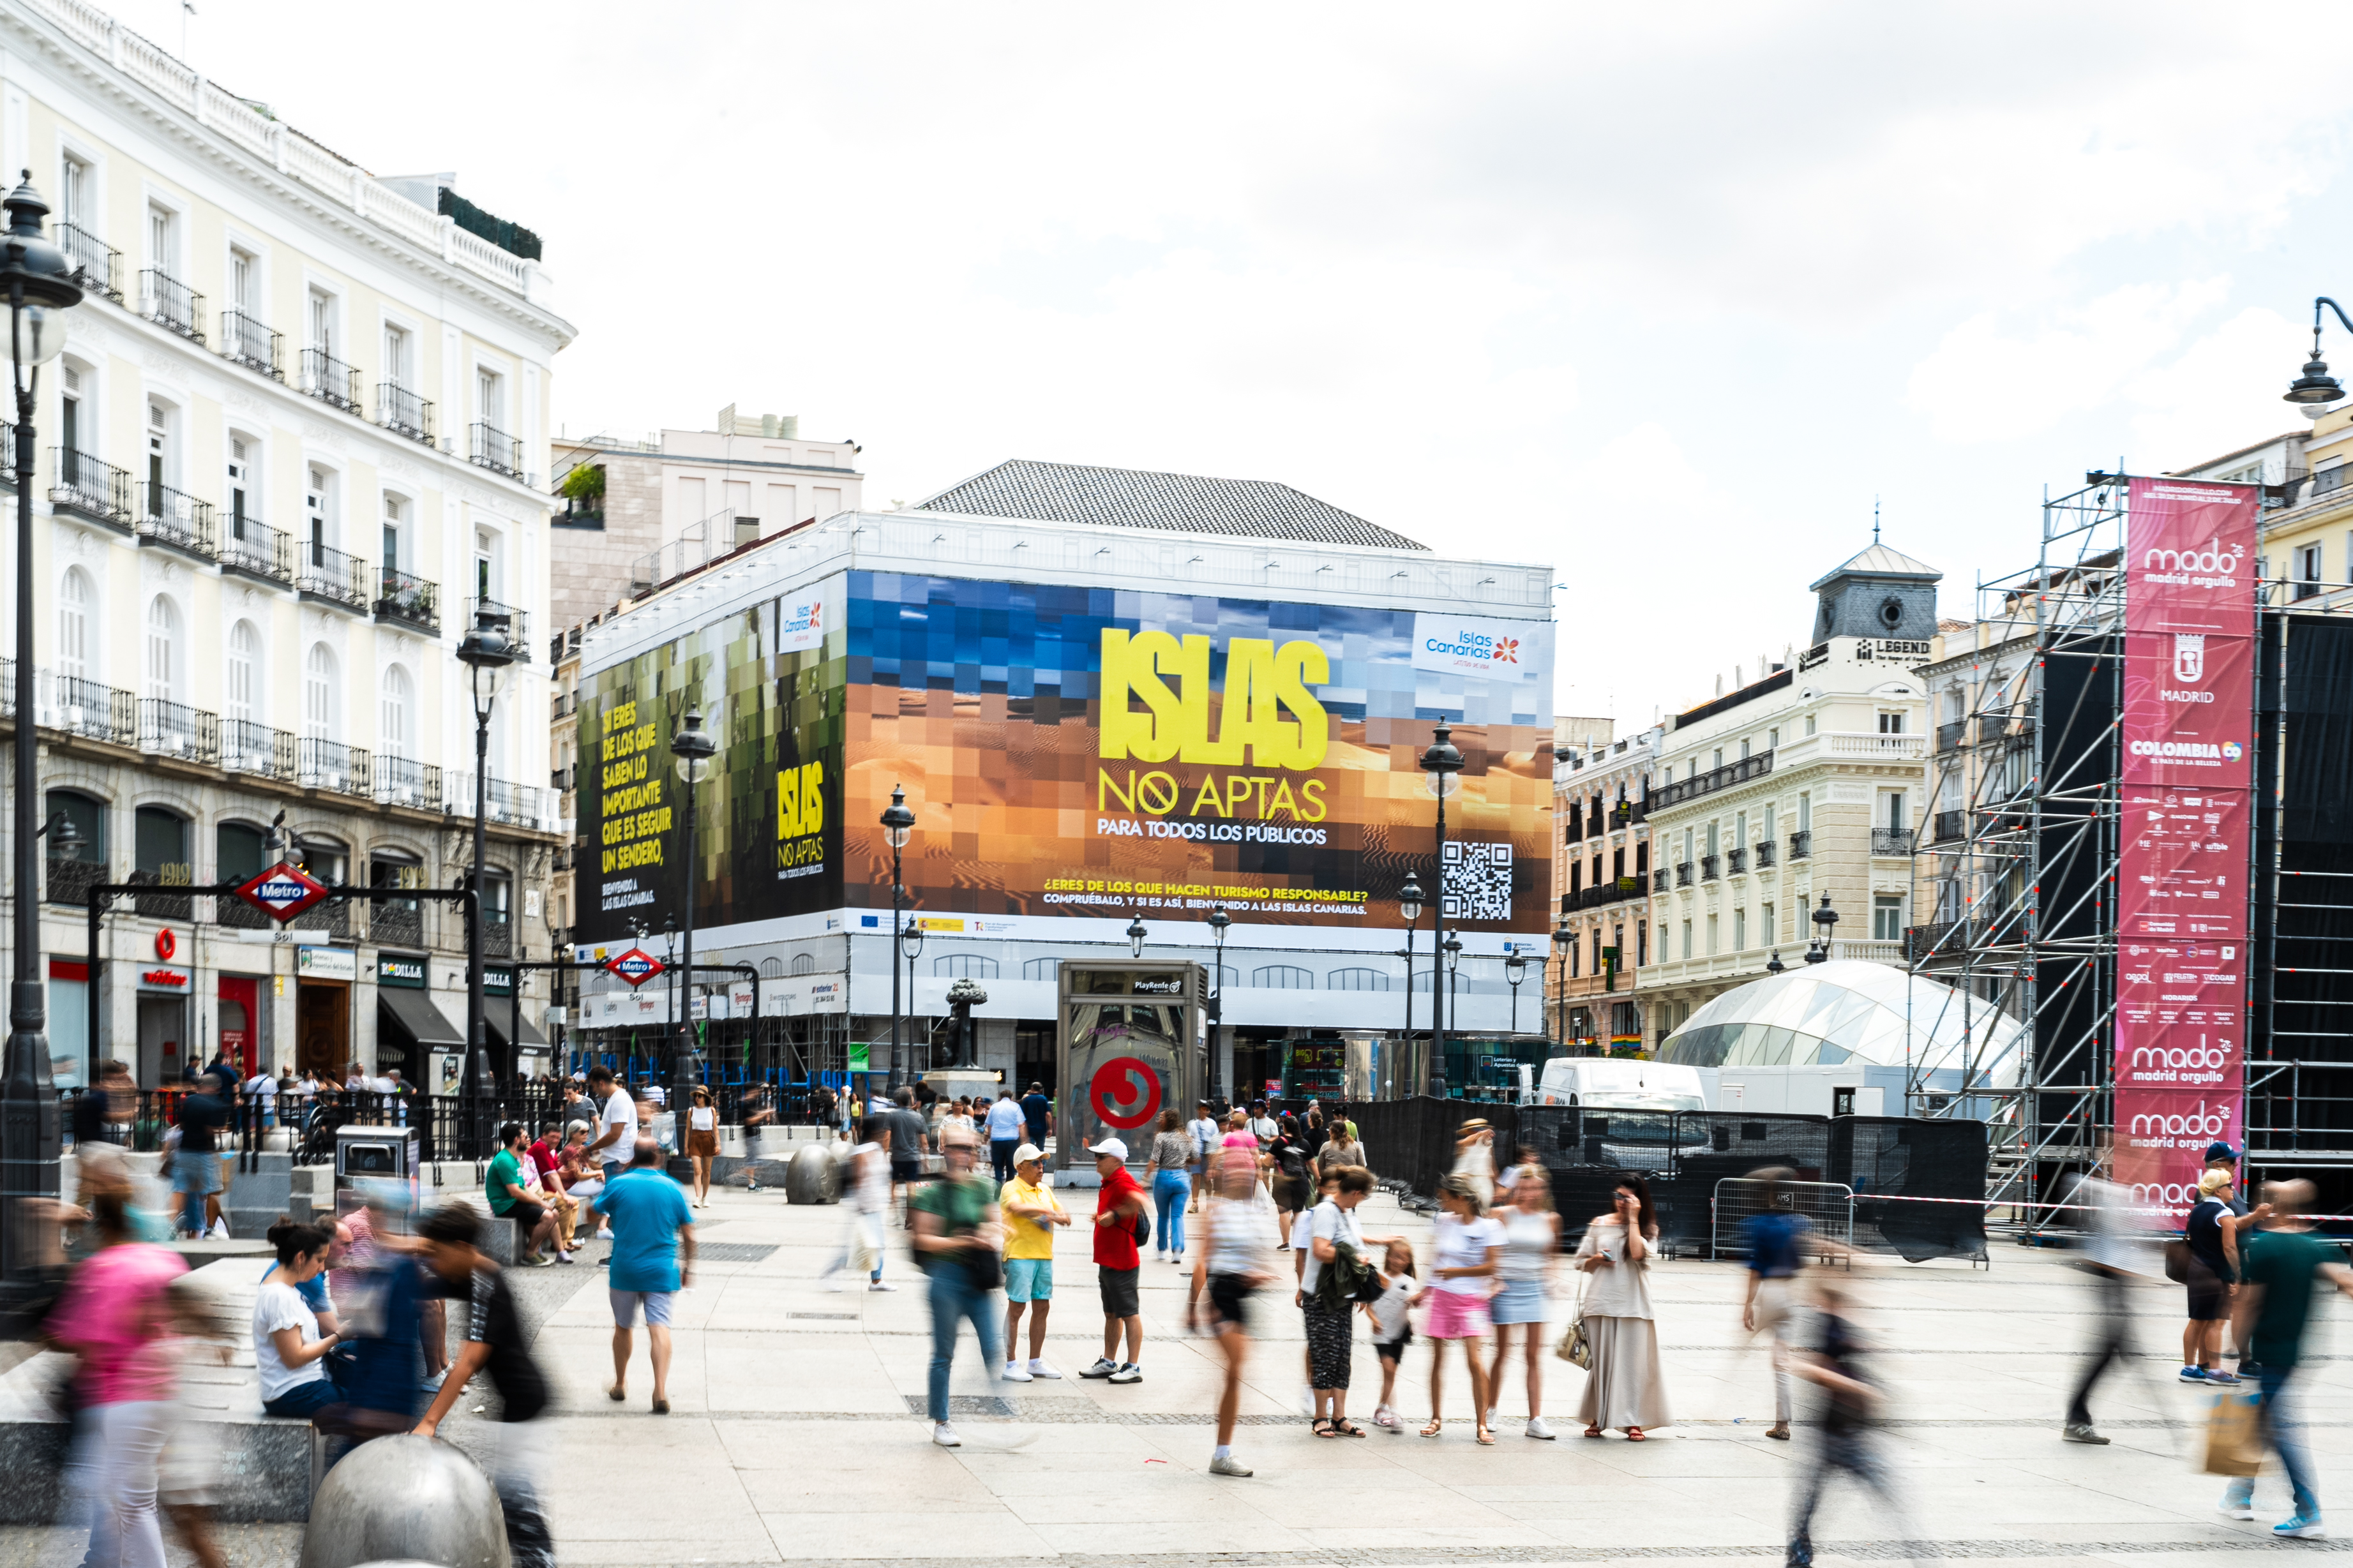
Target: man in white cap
[(1119, 1204), (1030, 1211)]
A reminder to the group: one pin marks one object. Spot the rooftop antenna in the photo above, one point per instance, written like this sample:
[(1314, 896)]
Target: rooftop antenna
[(1875, 520)]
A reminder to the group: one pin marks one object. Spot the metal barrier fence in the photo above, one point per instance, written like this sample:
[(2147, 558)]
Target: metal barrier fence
[(1828, 1208)]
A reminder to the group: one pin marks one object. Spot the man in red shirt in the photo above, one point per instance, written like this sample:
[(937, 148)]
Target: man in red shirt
[(1118, 1202)]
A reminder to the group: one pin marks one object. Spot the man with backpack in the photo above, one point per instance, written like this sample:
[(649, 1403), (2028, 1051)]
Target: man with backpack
[(1120, 1224)]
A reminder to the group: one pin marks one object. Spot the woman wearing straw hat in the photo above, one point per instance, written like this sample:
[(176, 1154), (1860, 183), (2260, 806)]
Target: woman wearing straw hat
[(1474, 1158)]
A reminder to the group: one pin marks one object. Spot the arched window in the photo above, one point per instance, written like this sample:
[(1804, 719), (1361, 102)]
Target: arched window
[(319, 694), (968, 965), (1284, 977), (1039, 968), (1356, 980), (74, 616), (162, 649), (244, 670), (804, 963), (397, 700)]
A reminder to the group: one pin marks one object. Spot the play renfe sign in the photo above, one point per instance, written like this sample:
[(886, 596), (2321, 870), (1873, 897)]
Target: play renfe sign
[(283, 892)]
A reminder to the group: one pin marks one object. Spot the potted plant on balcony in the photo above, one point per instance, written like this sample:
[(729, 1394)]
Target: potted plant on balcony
[(584, 491)]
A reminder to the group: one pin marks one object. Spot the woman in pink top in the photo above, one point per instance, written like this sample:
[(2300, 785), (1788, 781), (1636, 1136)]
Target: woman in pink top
[(112, 1311)]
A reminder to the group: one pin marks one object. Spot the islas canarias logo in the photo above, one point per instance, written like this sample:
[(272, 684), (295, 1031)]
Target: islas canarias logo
[(1155, 708), (1507, 650)]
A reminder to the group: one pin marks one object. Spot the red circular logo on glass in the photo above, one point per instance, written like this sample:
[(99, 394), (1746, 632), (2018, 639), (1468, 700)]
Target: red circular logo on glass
[(166, 944), (1121, 1078)]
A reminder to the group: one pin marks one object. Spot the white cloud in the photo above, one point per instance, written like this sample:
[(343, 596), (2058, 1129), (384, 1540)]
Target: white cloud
[(2219, 393)]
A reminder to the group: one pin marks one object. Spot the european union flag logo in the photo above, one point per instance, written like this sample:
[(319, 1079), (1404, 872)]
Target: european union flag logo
[(870, 921)]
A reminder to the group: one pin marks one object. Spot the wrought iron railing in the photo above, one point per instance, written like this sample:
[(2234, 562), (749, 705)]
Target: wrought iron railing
[(239, 915), (488, 446), (396, 925), (1659, 880), (70, 881), (89, 707), (1708, 867), (177, 519), (502, 800), (514, 623), (1951, 737), (1684, 870), (402, 781), (1891, 841), (1950, 825), (96, 489), (331, 765), (168, 303), (168, 729), (97, 266), (257, 749), (164, 906), (1801, 845), (1754, 766), (330, 379), (1765, 852), (412, 601), (1735, 862), (333, 916), (250, 546), (326, 573), (251, 344), (404, 413)]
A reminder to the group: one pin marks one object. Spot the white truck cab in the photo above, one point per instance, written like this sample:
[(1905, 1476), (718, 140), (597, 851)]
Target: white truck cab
[(1615, 1083)]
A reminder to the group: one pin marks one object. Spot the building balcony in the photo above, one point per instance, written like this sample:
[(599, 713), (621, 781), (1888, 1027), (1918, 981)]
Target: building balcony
[(97, 266), (411, 601), (1735, 862), (396, 925), (1754, 766), (164, 906), (488, 446), (252, 549), (1949, 825), (1801, 845), (88, 487), (171, 304), (330, 379), (1659, 880), (176, 519), (239, 915), (578, 513), (1953, 736), (332, 577), (1711, 866), (497, 934), (246, 342), (88, 709), (404, 413), (176, 731), (70, 881), (257, 750), (401, 781), (333, 916), (1766, 852), (507, 619), (1684, 873), (333, 766), (513, 803), (1892, 840), (1879, 748)]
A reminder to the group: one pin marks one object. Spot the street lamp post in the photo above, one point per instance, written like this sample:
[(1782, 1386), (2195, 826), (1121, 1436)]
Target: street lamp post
[(485, 652), (2316, 391), (898, 824), (1825, 918), (1516, 969), (693, 748), (40, 286), (1441, 762), (1410, 907), (911, 947), (1219, 921), (1563, 941), (1450, 951)]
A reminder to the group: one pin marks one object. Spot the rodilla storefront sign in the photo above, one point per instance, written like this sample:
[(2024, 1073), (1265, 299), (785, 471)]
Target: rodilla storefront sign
[(2182, 872)]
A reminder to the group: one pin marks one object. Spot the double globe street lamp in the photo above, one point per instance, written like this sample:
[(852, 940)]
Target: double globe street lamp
[(485, 651), (1442, 761), (694, 749), (897, 826)]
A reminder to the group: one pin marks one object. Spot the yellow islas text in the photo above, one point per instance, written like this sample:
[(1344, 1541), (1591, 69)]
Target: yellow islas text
[(1268, 719)]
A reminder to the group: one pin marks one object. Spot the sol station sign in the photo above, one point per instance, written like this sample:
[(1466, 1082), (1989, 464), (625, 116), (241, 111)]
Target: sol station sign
[(283, 892), (637, 966)]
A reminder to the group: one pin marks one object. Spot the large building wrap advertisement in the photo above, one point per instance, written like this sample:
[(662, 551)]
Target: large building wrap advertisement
[(1074, 752), (2182, 914)]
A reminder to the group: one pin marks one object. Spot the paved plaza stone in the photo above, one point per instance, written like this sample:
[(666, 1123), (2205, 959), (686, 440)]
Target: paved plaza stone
[(798, 1432)]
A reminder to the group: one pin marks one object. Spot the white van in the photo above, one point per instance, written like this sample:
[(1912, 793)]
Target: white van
[(1618, 1084)]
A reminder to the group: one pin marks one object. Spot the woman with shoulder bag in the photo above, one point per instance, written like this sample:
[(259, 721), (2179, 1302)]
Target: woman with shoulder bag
[(1624, 1387), (2206, 1271)]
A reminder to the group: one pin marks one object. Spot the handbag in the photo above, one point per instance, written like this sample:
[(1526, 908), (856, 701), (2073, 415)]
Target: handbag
[(1576, 1346), (2177, 1262)]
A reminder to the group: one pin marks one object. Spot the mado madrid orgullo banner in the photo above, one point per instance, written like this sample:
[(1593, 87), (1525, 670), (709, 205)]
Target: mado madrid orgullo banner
[(1072, 751)]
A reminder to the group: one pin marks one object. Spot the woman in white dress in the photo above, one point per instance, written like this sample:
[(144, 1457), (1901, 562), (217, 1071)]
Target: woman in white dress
[(1623, 1387), (1523, 1298)]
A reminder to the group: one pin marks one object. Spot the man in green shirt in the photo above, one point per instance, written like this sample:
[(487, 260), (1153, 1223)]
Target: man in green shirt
[(510, 1200), (2278, 1267), (955, 1231)]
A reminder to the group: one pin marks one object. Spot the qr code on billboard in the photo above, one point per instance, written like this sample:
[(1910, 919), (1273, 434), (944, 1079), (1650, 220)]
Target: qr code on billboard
[(1478, 881)]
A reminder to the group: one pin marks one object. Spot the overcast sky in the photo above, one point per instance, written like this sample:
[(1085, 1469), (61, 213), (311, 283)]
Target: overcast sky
[(1663, 297)]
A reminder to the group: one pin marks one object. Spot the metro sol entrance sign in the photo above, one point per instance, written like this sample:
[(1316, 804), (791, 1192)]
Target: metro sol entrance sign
[(637, 966), (283, 892)]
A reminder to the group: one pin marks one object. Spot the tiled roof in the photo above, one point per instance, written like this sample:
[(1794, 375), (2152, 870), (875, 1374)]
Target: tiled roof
[(1182, 503), (1879, 561)]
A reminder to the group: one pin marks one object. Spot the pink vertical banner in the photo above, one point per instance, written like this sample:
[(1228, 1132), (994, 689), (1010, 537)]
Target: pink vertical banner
[(2181, 895)]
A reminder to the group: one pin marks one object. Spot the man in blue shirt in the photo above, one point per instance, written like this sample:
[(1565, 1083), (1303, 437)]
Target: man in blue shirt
[(1006, 1122), (1037, 1113), (652, 1260), (1775, 1239)]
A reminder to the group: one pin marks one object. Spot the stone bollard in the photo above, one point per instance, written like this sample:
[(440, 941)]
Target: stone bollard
[(402, 1500), (813, 1177)]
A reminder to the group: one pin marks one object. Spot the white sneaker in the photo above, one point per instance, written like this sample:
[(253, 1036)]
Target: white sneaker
[(1536, 1428), (1130, 1373), (1040, 1369), (1228, 1466), (944, 1436), (2230, 1509), (1014, 1373), (879, 1284), (1104, 1366)]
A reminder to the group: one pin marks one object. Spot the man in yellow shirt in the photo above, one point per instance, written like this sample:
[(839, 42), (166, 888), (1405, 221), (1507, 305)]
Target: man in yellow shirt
[(1030, 1211)]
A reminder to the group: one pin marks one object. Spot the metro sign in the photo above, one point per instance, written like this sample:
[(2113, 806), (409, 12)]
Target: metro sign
[(284, 891), (637, 966)]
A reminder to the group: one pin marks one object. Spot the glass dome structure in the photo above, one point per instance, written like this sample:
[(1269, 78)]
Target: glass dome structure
[(1846, 1011)]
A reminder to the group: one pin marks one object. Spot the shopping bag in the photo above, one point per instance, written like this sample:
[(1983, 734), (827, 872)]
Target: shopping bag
[(2234, 1435)]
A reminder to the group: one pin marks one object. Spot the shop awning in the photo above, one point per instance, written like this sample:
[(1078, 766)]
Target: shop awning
[(496, 1014), (414, 1013)]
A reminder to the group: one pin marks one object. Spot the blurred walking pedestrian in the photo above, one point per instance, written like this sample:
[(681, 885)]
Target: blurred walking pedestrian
[(1293, 1189), (954, 1226), (1205, 1132), (114, 1311), (866, 1196), (2283, 1261), (1474, 1157), (2108, 1259), (1846, 1440), (1231, 1265), (1776, 1237), (1031, 1211), (497, 1343), (1168, 1173), (1531, 1248), (652, 1261), (2211, 1232), (1470, 1249), (1624, 1386)]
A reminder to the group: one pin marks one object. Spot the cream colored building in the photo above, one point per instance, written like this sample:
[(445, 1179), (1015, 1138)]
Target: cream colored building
[(1805, 782), (1601, 797), (297, 436)]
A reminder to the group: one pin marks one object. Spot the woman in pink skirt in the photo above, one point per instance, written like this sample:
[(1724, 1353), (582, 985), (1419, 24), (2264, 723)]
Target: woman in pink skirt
[(1469, 1250)]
